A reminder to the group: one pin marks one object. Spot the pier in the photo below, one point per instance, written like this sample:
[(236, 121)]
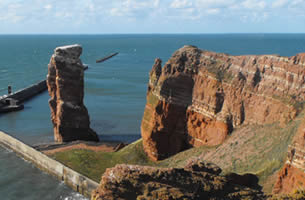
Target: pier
[(13, 101), (106, 58), (27, 93)]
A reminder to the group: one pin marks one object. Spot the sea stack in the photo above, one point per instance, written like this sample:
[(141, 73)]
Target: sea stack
[(199, 97), (65, 81)]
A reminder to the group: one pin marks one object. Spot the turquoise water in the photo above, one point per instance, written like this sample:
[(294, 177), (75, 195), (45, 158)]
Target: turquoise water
[(115, 90)]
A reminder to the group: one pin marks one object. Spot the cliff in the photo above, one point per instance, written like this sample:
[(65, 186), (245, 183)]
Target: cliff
[(199, 97), (292, 176), (198, 180), (65, 81)]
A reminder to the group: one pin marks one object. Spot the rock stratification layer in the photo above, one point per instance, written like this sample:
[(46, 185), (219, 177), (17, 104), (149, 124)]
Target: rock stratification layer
[(65, 82), (199, 97), (198, 180)]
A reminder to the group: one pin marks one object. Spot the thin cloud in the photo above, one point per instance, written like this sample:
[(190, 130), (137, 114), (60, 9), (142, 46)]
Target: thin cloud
[(279, 3), (133, 13), (178, 4)]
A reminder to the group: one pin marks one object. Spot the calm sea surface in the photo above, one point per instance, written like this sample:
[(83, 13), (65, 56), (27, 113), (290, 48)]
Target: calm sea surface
[(115, 90)]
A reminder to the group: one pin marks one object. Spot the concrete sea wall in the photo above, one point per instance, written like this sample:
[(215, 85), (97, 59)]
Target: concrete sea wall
[(28, 92), (76, 181)]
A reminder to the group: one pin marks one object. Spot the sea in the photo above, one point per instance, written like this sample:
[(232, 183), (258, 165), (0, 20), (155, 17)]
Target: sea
[(115, 90)]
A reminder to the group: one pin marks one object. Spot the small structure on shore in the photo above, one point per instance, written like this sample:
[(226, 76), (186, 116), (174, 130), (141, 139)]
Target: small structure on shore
[(10, 105), (9, 89)]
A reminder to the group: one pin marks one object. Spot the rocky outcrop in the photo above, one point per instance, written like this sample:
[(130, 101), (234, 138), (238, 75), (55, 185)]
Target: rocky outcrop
[(199, 97), (65, 82), (290, 179), (198, 180), (292, 175)]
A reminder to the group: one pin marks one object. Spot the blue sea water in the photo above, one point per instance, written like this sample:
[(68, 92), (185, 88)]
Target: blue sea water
[(115, 90)]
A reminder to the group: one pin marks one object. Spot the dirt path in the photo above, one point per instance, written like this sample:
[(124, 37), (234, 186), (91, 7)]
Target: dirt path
[(96, 148)]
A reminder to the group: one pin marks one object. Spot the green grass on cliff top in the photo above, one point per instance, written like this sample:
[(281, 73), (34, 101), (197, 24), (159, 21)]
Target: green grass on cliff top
[(93, 164), (256, 149)]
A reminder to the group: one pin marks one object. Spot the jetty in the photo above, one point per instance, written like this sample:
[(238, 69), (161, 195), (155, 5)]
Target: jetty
[(106, 58), (28, 92), (13, 101)]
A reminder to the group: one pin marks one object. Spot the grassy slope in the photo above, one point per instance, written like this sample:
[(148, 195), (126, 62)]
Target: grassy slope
[(256, 149), (93, 164)]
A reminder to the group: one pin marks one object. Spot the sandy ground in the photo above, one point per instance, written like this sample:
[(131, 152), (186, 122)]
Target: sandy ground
[(103, 148), (52, 148)]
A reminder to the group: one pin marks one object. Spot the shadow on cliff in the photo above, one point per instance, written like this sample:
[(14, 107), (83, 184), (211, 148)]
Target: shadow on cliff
[(178, 92)]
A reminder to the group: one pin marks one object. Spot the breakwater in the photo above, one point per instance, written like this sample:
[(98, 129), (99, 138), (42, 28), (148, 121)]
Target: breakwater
[(12, 102), (73, 179), (28, 92), (106, 58), (23, 95)]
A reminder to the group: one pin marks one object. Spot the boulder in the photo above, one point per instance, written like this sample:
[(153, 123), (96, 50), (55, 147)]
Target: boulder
[(133, 182)]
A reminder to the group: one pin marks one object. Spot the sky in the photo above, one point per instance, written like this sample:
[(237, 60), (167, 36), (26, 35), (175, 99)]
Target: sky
[(151, 16)]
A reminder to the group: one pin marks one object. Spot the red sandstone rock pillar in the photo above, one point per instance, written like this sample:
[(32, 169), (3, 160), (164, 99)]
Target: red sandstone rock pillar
[(65, 82)]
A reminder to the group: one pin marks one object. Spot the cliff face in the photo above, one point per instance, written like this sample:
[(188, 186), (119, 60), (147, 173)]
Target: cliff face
[(197, 180), (199, 97), (292, 177), (65, 82)]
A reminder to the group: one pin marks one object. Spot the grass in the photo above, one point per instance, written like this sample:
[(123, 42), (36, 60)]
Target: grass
[(216, 69), (261, 150), (93, 164), (152, 99), (290, 100), (258, 149), (296, 195)]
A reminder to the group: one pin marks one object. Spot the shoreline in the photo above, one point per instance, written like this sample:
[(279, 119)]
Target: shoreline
[(76, 181)]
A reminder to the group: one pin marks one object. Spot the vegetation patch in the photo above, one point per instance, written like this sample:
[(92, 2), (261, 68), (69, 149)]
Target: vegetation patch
[(152, 99), (296, 195), (257, 149), (93, 164)]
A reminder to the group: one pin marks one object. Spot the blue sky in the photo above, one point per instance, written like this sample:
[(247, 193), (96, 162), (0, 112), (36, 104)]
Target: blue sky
[(152, 16)]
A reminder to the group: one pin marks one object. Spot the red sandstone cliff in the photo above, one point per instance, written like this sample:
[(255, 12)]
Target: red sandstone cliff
[(292, 176), (65, 82), (199, 97), (198, 180)]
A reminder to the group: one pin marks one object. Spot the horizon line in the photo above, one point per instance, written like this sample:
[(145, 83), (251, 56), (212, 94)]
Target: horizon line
[(228, 33)]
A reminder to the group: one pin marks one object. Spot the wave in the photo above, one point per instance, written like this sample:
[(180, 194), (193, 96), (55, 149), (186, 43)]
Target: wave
[(74, 196)]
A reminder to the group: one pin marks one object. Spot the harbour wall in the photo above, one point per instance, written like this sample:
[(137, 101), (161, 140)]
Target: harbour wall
[(28, 92), (73, 179)]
